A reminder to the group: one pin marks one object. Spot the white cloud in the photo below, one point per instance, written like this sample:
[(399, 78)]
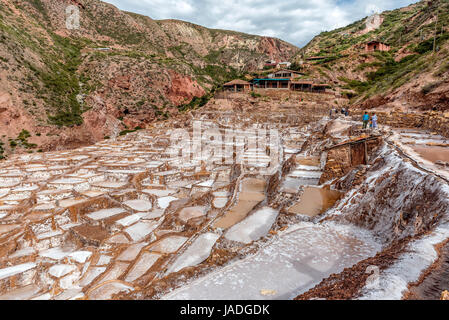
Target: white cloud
[(295, 21), (371, 9)]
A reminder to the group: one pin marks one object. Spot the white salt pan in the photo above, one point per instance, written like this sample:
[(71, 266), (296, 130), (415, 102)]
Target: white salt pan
[(159, 192), (253, 227), (129, 220), (131, 252), (206, 184), (291, 264), (103, 260), (61, 270), (54, 253), (192, 212), (165, 201), (23, 253), (140, 230), (169, 245), (11, 271), (109, 184), (196, 253), (306, 174), (107, 290), (80, 256), (23, 293), (139, 205), (145, 262), (105, 213), (91, 275)]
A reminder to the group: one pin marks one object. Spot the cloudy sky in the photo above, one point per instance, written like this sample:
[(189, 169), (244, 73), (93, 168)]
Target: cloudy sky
[(296, 21)]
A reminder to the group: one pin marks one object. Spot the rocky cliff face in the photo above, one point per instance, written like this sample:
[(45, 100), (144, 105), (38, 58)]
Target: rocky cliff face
[(117, 71)]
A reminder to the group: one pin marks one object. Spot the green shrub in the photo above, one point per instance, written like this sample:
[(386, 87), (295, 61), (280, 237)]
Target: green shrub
[(125, 132), (255, 95), (356, 85), (197, 102), (392, 67), (427, 45), (442, 70), (348, 95), (24, 135)]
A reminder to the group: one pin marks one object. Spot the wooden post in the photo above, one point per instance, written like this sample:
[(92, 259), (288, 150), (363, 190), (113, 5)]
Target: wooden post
[(350, 155), (435, 35), (366, 153)]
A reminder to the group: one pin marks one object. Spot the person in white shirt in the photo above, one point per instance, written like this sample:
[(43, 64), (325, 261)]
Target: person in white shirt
[(374, 120)]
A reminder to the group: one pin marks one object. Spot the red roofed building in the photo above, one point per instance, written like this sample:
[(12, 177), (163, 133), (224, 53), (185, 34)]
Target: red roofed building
[(237, 86), (376, 46)]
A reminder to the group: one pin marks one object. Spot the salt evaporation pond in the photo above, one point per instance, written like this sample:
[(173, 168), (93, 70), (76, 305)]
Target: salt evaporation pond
[(291, 264)]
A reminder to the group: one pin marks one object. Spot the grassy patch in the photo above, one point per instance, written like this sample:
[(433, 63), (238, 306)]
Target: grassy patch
[(391, 67), (197, 102), (427, 46), (255, 95), (430, 87), (62, 84), (356, 85), (442, 70), (22, 139), (2, 151), (125, 132)]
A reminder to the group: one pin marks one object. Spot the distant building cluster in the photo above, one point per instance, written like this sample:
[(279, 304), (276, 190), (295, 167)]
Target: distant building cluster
[(283, 79), (277, 64)]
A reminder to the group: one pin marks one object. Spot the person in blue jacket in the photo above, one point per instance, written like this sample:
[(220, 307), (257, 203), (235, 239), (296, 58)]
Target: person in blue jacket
[(365, 120)]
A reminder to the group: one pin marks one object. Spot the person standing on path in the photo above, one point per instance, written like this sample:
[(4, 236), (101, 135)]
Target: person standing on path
[(365, 120), (374, 120)]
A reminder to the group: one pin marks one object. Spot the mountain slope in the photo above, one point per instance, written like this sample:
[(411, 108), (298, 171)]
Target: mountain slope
[(411, 74), (118, 71)]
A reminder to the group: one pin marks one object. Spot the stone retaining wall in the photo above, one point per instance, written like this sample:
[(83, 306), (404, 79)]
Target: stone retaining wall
[(342, 159)]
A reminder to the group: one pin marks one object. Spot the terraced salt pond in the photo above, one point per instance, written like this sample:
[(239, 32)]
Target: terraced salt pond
[(291, 264), (121, 215), (96, 221), (315, 201), (433, 153), (251, 194), (430, 150)]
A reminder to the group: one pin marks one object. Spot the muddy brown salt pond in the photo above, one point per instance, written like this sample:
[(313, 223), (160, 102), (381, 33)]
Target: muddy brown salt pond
[(315, 201), (308, 161), (251, 194), (433, 153)]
